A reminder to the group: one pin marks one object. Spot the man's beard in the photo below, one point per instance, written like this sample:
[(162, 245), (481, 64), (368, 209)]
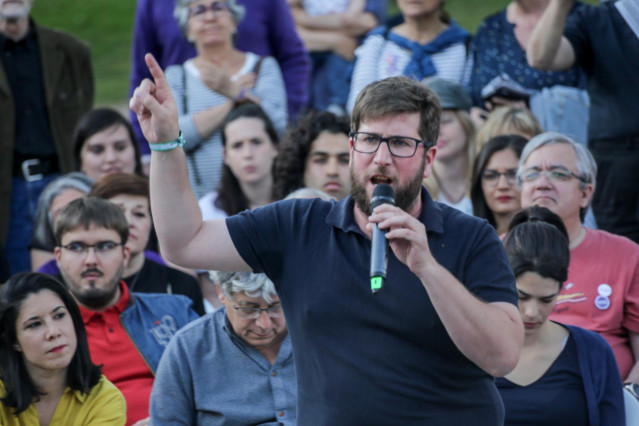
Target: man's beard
[(96, 299), (404, 195)]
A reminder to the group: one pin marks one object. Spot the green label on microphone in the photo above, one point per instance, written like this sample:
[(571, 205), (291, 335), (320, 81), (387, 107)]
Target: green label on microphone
[(376, 283)]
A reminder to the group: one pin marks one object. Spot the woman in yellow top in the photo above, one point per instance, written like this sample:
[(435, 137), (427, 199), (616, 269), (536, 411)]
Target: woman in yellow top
[(46, 373)]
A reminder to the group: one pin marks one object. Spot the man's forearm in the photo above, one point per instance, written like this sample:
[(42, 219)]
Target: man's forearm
[(176, 213), (545, 49), (209, 120), (489, 334), (356, 27)]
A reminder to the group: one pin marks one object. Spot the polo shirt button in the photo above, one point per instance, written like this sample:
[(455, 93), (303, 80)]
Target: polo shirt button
[(274, 374), (281, 413), (110, 330)]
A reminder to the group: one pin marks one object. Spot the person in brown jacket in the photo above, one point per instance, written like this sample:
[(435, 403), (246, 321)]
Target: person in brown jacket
[(46, 84)]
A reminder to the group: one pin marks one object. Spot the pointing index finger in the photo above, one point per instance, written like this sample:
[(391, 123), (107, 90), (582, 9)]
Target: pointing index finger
[(156, 70)]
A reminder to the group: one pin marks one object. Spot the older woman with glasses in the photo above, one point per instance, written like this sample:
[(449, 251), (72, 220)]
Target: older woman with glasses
[(56, 195), (494, 191), (208, 86)]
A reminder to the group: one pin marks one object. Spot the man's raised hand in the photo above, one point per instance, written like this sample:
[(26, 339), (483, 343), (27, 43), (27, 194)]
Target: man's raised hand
[(155, 107)]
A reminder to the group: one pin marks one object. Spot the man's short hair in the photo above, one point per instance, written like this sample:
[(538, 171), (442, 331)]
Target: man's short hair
[(296, 145), (397, 95), (87, 211), (248, 283), (586, 165)]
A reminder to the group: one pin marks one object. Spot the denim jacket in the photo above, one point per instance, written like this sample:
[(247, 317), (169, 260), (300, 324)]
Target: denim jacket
[(152, 319), (563, 109)]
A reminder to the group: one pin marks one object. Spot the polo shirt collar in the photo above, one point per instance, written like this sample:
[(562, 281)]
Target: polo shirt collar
[(118, 308), (341, 215)]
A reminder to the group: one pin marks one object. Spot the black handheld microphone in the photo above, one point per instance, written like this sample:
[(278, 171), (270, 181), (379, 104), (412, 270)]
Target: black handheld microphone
[(382, 194)]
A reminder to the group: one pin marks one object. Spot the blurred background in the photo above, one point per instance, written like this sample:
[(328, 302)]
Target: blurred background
[(108, 26)]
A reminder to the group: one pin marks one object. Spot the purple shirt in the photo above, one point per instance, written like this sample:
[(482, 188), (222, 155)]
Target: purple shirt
[(51, 267), (267, 29)]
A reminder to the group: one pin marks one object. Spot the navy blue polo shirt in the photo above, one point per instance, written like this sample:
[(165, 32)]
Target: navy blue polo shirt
[(607, 50), (375, 359)]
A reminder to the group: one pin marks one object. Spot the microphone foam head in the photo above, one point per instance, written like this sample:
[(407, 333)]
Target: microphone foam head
[(382, 194)]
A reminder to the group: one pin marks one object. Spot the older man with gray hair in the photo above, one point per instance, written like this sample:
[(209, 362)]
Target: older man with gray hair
[(233, 366), (602, 290)]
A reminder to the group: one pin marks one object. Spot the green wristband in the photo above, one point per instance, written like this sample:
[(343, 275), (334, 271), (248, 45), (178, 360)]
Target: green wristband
[(168, 146)]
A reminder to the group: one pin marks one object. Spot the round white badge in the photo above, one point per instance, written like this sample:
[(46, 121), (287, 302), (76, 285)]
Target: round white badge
[(602, 302), (604, 290)]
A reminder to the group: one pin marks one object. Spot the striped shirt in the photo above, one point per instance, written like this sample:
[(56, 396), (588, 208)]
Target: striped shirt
[(204, 156), (378, 58)]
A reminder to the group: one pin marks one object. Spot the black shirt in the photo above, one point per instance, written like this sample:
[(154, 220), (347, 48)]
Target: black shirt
[(556, 398), (607, 50), (156, 278), (23, 68)]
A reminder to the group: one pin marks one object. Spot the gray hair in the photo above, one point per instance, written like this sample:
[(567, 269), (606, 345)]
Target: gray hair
[(309, 193), (252, 285), (181, 13), (586, 165), (43, 237)]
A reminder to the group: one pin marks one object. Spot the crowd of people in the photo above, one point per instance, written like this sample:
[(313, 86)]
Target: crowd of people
[(205, 260)]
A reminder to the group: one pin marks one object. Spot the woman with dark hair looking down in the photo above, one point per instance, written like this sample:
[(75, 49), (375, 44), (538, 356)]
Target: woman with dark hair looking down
[(566, 375)]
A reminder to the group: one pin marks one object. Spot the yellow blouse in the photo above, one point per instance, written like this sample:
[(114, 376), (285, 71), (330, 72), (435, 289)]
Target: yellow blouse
[(103, 406)]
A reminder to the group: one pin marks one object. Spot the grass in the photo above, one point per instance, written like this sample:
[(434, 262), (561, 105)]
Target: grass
[(108, 27)]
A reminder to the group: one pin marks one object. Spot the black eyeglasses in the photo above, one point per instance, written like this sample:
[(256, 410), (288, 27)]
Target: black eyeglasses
[(490, 177), (399, 146), (215, 7), (554, 175), (100, 248), (274, 311)]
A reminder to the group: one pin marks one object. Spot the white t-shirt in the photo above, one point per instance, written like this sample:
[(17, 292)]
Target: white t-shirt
[(208, 208), (324, 7)]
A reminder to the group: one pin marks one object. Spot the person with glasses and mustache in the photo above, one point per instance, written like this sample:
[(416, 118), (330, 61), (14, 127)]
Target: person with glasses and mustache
[(602, 290), (127, 332), (424, 348), (494, 191), (246, 353)]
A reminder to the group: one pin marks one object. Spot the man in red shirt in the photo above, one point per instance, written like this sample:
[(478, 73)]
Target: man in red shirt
[(127, 332), (601, 293)]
